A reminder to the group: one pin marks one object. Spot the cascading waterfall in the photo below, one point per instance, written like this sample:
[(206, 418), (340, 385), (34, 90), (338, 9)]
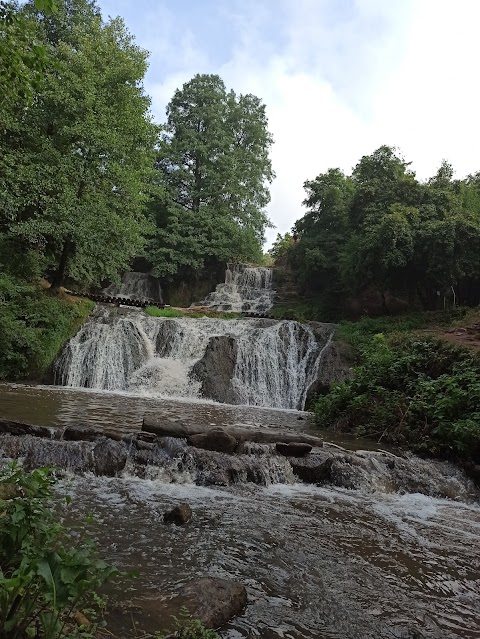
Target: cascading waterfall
[(136, 286), (275, 361), (246, 289)]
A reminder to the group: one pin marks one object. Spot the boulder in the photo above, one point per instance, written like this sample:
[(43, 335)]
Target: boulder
[(110, 457), (214, 601), (79, 432), (216, 439), (314, 469), (215, 369), (14, 427), (179, 515), (294, 449)]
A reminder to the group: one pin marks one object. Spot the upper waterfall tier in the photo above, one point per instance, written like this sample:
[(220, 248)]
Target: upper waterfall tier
[(254, 362), (246, 288), (136, 286)]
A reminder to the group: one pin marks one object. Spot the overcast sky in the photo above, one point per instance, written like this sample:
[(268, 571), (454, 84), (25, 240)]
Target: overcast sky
[(338, 77)]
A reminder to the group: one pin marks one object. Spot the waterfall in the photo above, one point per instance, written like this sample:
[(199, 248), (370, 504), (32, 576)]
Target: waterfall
[(136, 286), (246, 288), (272, 363)]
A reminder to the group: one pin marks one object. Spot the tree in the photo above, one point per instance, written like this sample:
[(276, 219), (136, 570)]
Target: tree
[(23, 58), (213, 164), (76, 165)]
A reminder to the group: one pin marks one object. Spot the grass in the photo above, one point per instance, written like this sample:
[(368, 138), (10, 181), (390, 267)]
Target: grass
[(153, 311)]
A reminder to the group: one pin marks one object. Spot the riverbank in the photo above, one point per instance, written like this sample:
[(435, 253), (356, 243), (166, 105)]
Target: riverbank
[(416, 385)]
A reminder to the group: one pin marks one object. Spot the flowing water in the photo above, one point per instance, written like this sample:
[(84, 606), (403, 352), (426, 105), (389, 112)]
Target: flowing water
[(136, 286), (246, 289), (118, 350), (373, 561)]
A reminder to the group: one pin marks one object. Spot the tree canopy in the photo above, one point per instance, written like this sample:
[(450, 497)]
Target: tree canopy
[(214, 168), (76, 165), (382, 228)]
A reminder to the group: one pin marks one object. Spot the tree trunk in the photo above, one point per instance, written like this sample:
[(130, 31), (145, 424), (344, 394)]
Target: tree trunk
[(59, 277)]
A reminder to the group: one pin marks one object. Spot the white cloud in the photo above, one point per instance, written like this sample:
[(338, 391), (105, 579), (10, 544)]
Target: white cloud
[(338, 78)]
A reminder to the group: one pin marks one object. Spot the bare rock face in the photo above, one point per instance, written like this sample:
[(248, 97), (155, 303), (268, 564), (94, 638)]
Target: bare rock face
[(215, 369), (179, 515), (216, 439), (110, 457), (294, 449)]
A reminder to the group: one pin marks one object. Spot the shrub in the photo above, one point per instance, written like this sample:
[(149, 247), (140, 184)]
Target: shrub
[(415, 391), (45, 576)]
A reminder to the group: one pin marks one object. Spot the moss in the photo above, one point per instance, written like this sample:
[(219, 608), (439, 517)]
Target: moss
[(176, 312)]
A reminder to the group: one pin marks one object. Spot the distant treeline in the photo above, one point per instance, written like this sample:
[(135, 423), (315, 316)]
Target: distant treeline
[(380, 229)]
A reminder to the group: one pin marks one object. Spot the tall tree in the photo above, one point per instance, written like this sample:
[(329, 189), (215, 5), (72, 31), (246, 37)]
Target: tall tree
[(213, 163), (76, 165)]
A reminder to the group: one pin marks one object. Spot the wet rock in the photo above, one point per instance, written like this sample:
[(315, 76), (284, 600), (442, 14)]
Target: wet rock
[(314, 469), (110, 457), (79, 432), (14, 427), (214, 601), (179, 515), (215, 369), (294, 449), (216, 439)]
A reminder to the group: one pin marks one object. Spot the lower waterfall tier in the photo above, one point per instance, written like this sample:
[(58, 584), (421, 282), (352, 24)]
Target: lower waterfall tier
[(254, 362)]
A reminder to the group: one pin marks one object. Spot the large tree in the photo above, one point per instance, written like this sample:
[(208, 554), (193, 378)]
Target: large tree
[(214, 166), (76, 164)]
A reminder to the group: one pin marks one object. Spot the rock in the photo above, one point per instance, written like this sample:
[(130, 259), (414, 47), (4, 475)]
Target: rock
[(214, 601), (79, 432), (215, 369), (336, 366), (179, 515), (110, 457), (294, 449), (9, 491), (14, 427), (314, 469), (216, 439), (257, 434)]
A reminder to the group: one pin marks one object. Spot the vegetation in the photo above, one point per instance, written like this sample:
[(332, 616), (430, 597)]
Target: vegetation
[(410, 390), (175, 312), (380, 229), (46, 576), (214, 168), (187, 627)]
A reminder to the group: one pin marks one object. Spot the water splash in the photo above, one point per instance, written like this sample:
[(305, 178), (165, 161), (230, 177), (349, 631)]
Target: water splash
[(246, 289), (276, 361)]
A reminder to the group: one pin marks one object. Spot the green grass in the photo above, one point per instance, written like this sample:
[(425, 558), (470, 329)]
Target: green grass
[(174, 312)]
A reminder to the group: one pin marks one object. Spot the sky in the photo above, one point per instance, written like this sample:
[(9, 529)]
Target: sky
[(339, 78)]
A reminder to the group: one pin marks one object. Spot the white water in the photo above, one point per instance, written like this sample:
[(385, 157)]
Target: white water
[(136, 286), (275, 365), (246, 289)]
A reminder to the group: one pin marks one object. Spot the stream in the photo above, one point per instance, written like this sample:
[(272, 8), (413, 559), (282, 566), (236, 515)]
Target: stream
[(318, 562)]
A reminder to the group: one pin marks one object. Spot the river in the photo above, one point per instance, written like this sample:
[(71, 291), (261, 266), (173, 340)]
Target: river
[(318, 562)]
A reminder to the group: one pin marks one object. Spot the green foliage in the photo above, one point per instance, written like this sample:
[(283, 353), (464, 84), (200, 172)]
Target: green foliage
[(76, 166), (281, 247), (45, 575), (23, 58), (153, 311), (214, 168), (33, 327), (412, 391), (381, 229), (188, 628)]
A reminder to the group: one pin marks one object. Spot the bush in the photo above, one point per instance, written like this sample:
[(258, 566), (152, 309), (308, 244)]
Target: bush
[(34, 325), (413, 391), (46, 577)]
